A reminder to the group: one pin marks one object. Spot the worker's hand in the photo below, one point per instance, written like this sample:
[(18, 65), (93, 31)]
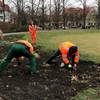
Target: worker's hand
[(62, 64), (75, 67), (36, 55), (69, 66)]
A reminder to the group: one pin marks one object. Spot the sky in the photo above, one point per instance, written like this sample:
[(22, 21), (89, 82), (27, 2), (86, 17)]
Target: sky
[(78, 4), (71, 3), (90, 2)]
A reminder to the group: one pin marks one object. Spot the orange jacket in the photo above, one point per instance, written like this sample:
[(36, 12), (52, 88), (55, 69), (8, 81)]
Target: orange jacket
[(33, 30), (27, 44), (64, 49)]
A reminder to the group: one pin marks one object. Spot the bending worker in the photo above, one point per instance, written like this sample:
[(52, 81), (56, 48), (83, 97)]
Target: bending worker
[(69, 53), (18, 49)]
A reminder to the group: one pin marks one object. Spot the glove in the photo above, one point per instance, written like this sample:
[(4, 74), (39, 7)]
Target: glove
[(75, 67), (62, 64), (69, 66), (36, 55)]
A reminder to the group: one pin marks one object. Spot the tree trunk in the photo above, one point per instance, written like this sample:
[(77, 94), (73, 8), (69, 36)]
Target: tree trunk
[(3, 11), (64, 14), (43, 15), (98, 16)]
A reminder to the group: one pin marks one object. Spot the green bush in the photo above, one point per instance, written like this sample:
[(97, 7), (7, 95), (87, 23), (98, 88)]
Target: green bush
[(9, 27), (22, 28)]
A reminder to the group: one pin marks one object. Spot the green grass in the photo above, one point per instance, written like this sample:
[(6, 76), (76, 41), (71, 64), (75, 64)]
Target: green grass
[(89, 94), (88, 41)]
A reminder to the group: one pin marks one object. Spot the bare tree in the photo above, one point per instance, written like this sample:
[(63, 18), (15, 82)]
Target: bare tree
[(64, 14), (32, 10), (20, 7), (64, 2), (84, 2), (98, 15), (3, 10), (57, 4), (50, 15), (43, 14)]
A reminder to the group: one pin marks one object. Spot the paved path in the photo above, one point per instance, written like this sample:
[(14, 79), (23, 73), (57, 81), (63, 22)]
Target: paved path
[(20, 33), (45, 31)]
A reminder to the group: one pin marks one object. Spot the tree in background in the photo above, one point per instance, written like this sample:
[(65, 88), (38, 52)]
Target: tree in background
[(98, 15), (64, 2), (20, 7), (64, 14), (84, 2), (57, 4), (44, 13), (34, 10), (3, 10), (43, 20)]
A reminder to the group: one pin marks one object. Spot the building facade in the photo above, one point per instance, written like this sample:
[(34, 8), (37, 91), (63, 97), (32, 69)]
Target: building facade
[(5, 9)]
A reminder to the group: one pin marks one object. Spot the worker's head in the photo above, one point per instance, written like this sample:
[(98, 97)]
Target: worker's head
[(72, 51)]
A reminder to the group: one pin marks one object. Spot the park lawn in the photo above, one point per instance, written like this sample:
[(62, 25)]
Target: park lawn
[(88, 41), (89, 94)]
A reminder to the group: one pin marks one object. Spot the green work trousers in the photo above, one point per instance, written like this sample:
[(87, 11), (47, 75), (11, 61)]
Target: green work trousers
[(18, 50), (57, 53)]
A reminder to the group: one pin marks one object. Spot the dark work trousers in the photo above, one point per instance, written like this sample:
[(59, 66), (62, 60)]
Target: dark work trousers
[(18, 50), (57, 53)]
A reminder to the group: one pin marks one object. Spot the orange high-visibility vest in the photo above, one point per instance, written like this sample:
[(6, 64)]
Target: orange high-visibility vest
[(76, 59), (64, 49), (27, 44), (33, 30)]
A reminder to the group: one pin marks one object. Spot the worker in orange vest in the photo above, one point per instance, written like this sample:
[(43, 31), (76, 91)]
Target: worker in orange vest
[(69, 53), (33, 31), (18, 49)]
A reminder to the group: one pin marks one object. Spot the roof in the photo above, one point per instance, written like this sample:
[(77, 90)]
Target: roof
[(78, 10)]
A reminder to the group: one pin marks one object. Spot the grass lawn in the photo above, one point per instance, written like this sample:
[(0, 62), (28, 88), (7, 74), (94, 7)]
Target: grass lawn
[(88, 41), (89, 94)]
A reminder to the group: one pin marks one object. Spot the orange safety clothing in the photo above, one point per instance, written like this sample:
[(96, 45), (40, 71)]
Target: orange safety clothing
[(64, 49), (27, 44), (33, 30)]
